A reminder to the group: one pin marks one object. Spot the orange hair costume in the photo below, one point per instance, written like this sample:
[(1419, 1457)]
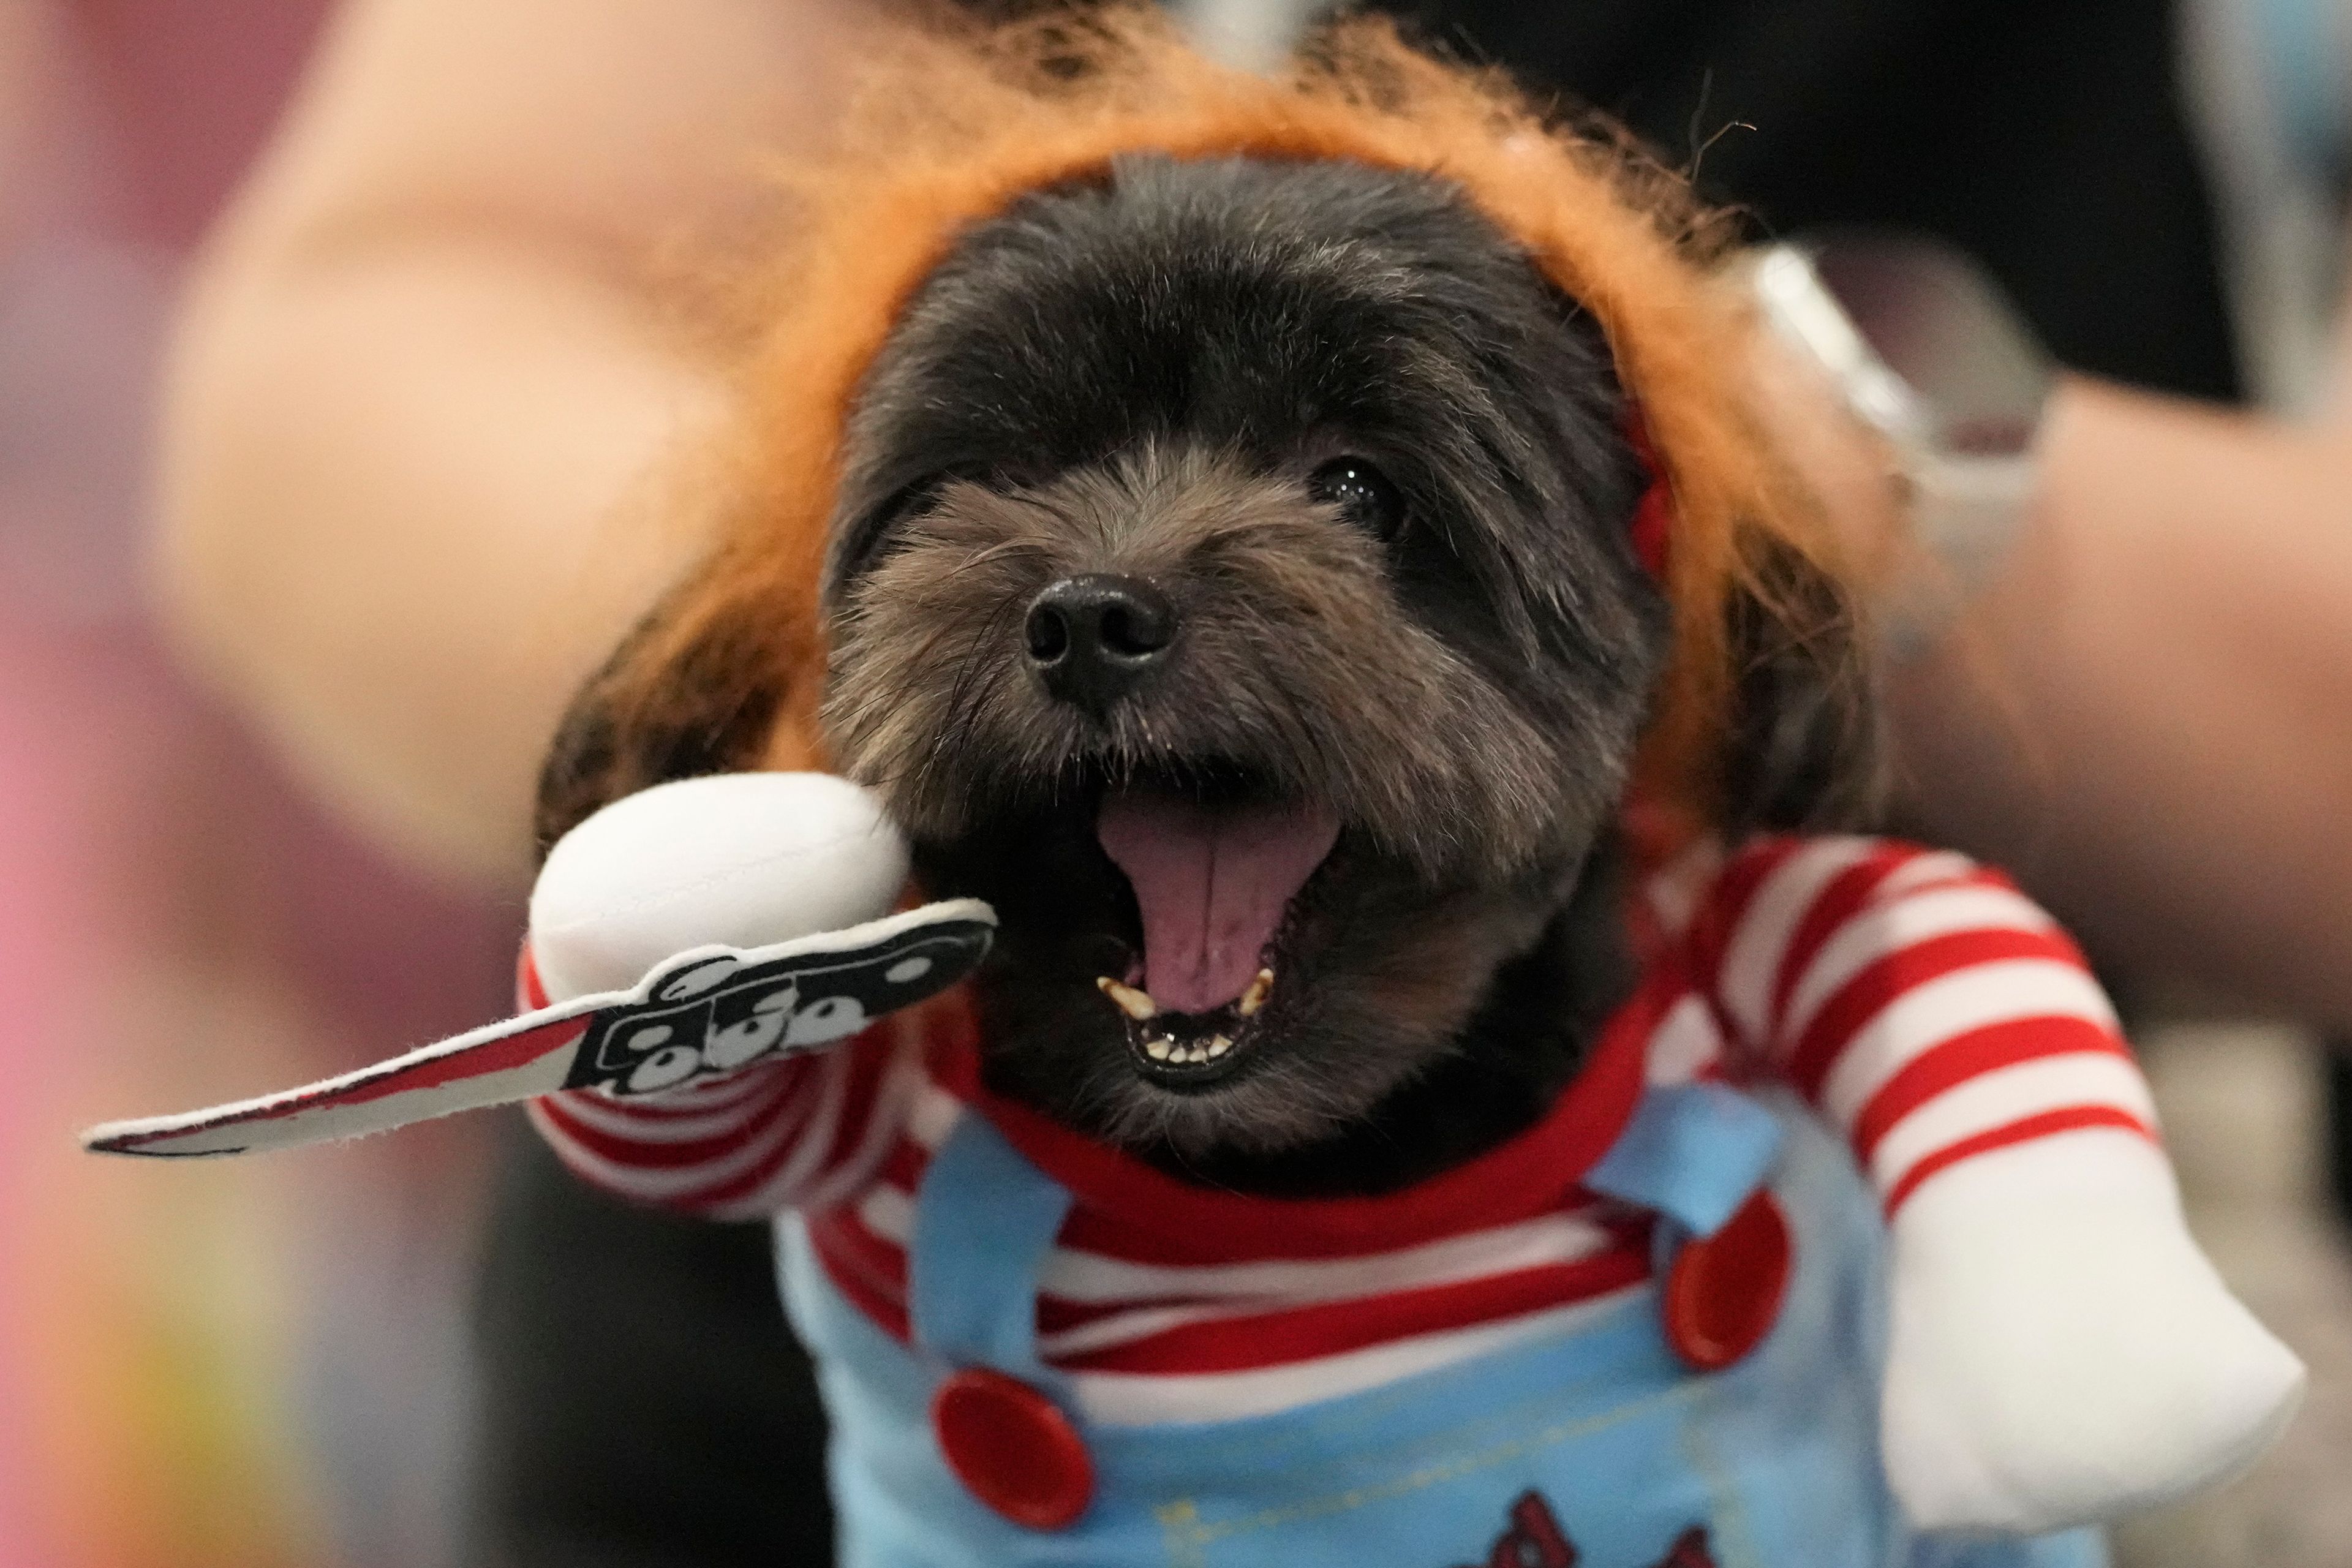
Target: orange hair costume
[(953, 132)]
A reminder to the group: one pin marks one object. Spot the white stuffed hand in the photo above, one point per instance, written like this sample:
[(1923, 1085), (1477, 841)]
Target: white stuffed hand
[(744, 859), (2061, 1351)]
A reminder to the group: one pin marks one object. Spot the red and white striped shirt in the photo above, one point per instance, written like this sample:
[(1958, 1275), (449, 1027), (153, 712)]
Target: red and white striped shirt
[(1927, 1009)]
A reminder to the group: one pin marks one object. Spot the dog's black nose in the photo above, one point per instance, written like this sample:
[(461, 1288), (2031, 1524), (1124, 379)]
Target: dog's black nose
[(1093, 638)]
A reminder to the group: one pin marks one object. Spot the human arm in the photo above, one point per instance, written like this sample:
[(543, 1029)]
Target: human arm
[(2136, 708), (430, 354), (2144, 715)]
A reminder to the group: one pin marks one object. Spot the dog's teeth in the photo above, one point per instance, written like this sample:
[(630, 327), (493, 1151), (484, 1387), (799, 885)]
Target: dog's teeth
[(1219, 1046), (1158, 1050), (1135, 1004), (1259, 989)]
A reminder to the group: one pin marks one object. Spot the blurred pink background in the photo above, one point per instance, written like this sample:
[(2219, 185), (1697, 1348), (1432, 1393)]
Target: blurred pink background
[(229, 1364)]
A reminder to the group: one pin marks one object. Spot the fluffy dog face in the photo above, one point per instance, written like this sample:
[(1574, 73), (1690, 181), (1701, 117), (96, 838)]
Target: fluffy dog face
[(1232, 585)]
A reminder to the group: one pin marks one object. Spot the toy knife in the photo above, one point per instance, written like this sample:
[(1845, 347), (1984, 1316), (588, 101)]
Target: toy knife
[(698, 1015)]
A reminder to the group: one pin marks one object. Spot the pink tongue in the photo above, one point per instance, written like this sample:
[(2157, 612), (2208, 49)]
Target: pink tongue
[(1212, 883)]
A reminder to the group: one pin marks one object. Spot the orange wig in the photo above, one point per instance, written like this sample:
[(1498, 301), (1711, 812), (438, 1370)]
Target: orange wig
[(956, 125)]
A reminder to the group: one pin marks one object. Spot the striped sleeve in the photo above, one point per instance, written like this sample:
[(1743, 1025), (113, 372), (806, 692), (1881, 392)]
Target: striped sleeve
[(1924, 1006), (806, 1131)]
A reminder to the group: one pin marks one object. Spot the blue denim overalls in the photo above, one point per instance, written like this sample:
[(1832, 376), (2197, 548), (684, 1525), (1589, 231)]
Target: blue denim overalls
[(1597, 1448)]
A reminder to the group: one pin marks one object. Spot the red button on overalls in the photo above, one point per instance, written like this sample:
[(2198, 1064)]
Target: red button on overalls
[(1012, 1448), (1723, 1293)]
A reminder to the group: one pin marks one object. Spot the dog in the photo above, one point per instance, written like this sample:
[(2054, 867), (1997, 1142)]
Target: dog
[(1371, 474), (1231, 555)]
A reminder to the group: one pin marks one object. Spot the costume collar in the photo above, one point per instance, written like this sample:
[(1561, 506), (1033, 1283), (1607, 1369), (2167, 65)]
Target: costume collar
[(1530, 1174)]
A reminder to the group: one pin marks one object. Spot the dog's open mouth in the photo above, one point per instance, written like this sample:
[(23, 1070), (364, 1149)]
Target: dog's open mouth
[(1215, 883)]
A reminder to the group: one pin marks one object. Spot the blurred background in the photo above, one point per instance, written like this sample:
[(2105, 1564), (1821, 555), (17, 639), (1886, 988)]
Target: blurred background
[(265, 1364), (218, 1365)]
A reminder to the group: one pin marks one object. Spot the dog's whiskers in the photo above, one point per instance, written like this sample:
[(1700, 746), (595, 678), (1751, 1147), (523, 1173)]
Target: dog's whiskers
[(961, 715)]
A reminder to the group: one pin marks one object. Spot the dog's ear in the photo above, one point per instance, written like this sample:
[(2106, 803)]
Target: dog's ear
[(695, 688), (1803, 749)]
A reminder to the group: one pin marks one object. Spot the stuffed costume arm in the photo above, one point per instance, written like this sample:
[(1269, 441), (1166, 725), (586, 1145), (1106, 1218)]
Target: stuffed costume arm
[(2059, 1350), (744, 859)]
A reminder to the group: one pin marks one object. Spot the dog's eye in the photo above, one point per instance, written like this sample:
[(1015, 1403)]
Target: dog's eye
[(1365, 495), (869, 536)]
